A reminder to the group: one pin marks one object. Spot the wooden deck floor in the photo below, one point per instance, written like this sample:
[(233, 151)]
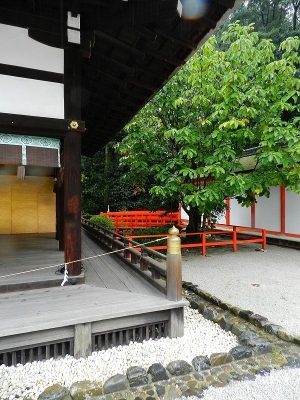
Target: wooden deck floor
[(20, 253), (115, 301)]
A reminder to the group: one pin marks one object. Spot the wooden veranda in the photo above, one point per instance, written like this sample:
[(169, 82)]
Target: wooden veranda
[(114, 307)]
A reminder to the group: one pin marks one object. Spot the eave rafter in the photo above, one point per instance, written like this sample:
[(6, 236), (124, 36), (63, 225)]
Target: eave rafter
[(128, 51)]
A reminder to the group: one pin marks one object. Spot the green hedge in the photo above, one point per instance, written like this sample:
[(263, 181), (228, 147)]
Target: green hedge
[(103, 221)]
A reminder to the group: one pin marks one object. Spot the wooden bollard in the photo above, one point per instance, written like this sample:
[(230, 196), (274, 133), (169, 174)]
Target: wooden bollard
[(174, 270)]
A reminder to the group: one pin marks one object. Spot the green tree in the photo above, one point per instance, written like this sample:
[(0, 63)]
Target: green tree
[(106, 184), (193, 135), (274, 19)]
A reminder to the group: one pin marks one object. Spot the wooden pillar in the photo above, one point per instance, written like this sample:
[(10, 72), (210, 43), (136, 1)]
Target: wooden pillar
[(72, 158), (72, 201), (60, 217)]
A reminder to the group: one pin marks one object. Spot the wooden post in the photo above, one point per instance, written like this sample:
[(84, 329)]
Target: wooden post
[(176, 323), (60, 217), (174, 271), (72, 158), (82, 340), (72, 197)]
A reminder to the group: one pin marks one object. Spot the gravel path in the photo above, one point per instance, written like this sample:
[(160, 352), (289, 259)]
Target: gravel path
[(266, 283)]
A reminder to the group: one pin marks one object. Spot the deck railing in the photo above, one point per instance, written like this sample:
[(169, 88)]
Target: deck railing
[(150, 264)]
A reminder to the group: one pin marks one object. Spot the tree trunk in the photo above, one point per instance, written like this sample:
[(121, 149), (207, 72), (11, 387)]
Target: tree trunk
[(108, 160), (193, 225)]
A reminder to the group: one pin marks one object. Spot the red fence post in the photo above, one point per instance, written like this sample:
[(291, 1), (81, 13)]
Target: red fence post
[(234, 239), (264, 239), (204, 244)]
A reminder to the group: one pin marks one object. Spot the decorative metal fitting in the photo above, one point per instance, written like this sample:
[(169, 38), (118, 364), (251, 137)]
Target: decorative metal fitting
[(74, 125)]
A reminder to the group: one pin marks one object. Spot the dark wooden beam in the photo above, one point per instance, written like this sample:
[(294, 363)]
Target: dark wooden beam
[(101, 97), (28, 20), (172, 37), (72, 160), (225, 3), (104, 84), (30, 73), (72, 82), (38, 126), (127, 67), (133, 15), (75, 8), (141, 54), (31, 5)]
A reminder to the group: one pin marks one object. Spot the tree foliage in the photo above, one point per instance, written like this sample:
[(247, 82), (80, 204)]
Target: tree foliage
[(106, 184), (274, 19), (193, 135)]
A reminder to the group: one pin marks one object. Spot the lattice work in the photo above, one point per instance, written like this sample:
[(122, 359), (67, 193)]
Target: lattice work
[(106, 340), (37, 353)]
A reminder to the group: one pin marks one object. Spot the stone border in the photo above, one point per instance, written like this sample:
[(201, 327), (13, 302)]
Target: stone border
[(263, 346)]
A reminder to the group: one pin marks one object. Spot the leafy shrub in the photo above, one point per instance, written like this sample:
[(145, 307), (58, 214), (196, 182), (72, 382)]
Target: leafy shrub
[(87, 215), (103, 221)]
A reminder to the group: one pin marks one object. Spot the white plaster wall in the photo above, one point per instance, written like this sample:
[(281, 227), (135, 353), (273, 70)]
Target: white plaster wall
[(16, 48), (239, 215), (267, 211), (222, 219), (31, 97), (292, 213)]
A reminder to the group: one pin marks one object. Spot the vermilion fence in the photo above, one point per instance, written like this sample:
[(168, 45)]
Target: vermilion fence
[(228, 235), (223, 235), (131, 220)]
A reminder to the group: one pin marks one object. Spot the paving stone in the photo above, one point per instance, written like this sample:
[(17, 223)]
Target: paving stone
[(55, 392), (210, 313), (83, 389), (220, 358), (158, 372), (137, 376), (240, 352), (179, 367), (201, 363), (258, 320), (116, 383), (247, 336)]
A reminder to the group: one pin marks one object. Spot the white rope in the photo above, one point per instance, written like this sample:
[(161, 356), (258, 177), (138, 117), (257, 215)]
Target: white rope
[(65, 275), (81, 259)]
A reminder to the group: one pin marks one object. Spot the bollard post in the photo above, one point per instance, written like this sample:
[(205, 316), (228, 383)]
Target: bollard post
[(174, 270)]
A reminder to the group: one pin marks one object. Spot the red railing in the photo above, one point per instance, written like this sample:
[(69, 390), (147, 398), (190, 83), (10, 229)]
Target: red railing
[(237, 235), (131, 220)]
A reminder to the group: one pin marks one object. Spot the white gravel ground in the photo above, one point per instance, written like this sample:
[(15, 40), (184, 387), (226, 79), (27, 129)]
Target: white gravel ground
[(202, 337), (266, 283)]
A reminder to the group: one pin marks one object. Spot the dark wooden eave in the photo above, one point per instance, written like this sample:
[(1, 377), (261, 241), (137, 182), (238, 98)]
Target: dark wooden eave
[(129, 51)]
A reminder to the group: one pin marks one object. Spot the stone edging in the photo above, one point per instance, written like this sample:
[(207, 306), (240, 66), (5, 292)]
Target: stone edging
[(263, 346)]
